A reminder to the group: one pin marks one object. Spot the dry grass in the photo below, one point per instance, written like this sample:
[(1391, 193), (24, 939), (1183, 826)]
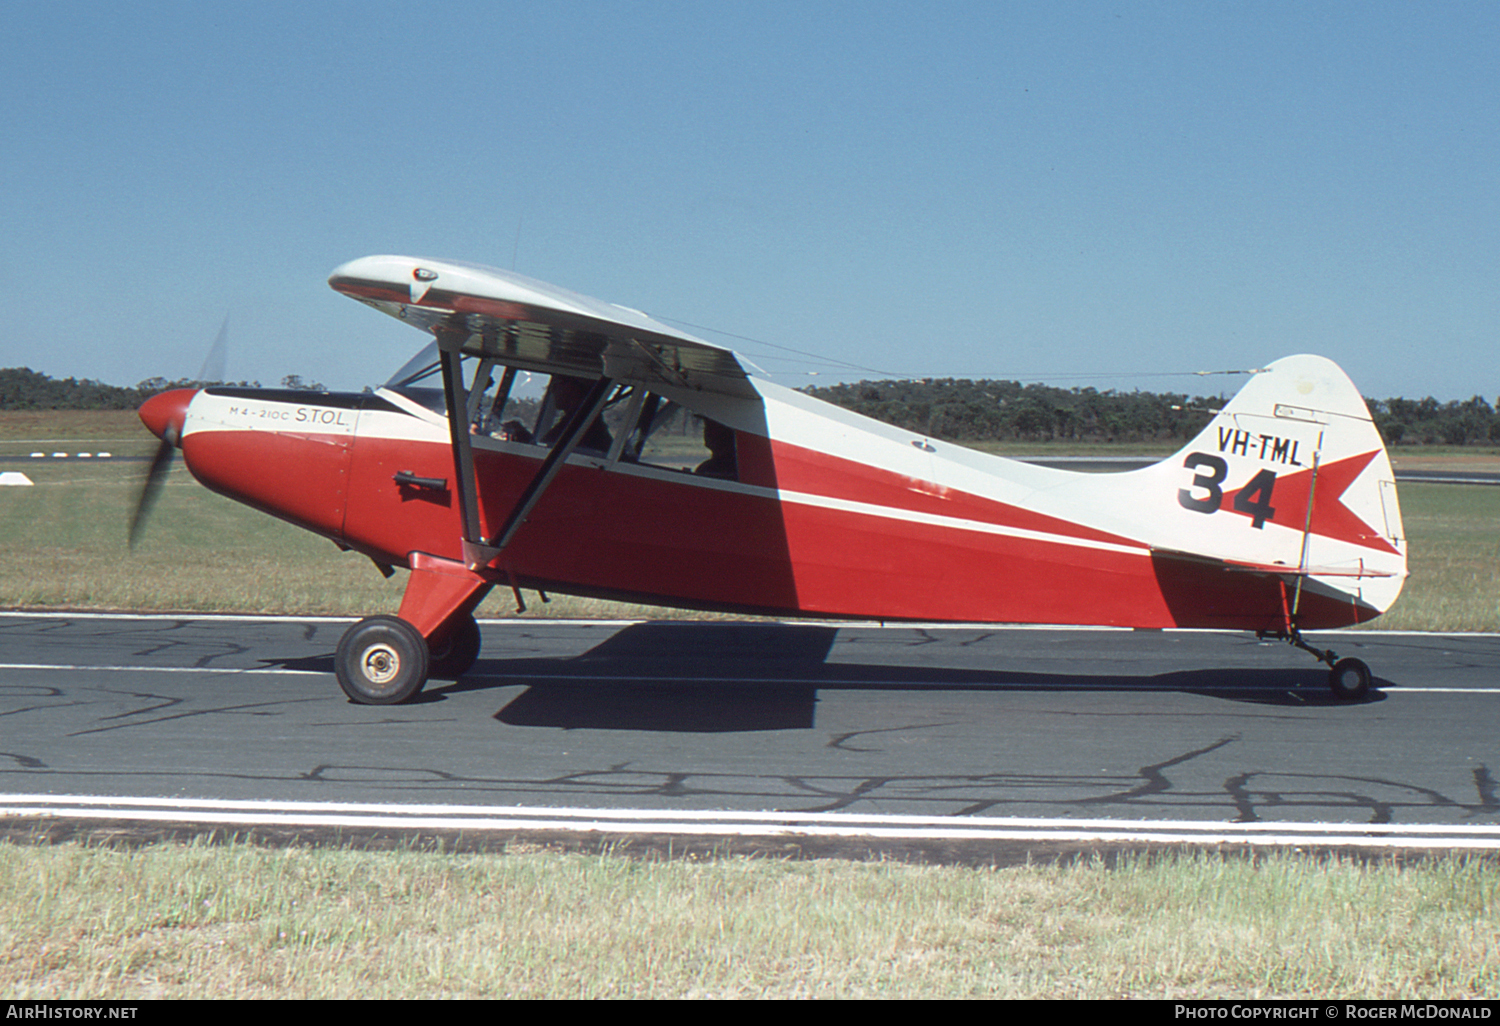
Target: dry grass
[(1454, 533), (239, 921)]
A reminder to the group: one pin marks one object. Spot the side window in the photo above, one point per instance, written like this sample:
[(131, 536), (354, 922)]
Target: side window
[(635, 425), (564, 396), (509, 408), (516, 413), (660, 433)]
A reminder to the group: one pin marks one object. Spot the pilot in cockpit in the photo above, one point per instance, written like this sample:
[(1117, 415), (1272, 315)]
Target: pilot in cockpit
[(564, 395), (718, 439), (567, 395)]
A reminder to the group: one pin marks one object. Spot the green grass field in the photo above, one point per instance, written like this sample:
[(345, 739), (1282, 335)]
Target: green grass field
[(1454, 560)]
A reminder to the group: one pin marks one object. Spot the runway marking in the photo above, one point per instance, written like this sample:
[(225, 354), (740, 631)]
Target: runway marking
[(744, 824), (861, 624), (80, 667), (845, 682)]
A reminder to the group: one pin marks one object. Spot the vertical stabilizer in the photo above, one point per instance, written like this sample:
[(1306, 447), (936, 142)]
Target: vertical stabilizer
[(1292, 477)]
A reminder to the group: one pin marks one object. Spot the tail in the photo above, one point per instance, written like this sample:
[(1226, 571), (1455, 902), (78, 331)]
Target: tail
[(1292, 480)]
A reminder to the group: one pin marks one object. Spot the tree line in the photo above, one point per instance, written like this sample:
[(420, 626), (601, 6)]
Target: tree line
[(961, 410), (952, 409), (22, 388)]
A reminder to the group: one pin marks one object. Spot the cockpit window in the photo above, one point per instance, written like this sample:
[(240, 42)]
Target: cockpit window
[(541, 421), (660, 433), (635, 425)]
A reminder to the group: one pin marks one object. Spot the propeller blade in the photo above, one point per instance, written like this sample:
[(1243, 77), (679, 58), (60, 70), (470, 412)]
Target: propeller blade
[(156, 474), (213, 364), (164, 414)]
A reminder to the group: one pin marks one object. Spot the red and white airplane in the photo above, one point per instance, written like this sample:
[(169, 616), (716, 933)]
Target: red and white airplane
[(656, 469)]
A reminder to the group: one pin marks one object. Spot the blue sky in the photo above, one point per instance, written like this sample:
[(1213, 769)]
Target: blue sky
[(1094, 194)]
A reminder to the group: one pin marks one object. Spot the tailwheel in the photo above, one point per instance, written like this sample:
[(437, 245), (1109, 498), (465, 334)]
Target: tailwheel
[(1349, 678), (381, 660), (453, 659)]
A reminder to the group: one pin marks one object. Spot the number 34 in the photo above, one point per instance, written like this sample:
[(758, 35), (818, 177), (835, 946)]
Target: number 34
[(1254, 500)]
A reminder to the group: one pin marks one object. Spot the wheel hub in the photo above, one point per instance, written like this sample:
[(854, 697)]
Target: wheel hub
[(382, 663)]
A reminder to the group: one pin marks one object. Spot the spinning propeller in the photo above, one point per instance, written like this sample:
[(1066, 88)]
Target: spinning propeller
[(164, 414)]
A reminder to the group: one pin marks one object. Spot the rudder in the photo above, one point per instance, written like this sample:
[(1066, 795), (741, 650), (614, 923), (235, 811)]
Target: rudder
[(1291, 477)]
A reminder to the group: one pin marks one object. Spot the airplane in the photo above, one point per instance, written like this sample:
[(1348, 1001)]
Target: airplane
[(657, 468)]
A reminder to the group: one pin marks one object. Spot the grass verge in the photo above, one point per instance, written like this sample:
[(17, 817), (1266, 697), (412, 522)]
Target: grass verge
[(1454, 533), (198, 921)]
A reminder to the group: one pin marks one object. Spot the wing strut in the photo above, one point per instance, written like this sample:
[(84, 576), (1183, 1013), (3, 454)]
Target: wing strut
[(578, 422), (478, 550), (458, 431)]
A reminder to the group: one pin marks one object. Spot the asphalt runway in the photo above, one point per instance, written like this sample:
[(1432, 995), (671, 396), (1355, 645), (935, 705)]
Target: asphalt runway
[(703, 723)]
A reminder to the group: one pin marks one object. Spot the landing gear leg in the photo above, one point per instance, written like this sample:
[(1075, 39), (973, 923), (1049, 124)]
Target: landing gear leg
[(386, 659), (1347, 678)]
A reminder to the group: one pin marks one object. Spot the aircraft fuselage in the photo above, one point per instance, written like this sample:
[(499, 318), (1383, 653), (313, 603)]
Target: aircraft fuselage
[(880, 527)]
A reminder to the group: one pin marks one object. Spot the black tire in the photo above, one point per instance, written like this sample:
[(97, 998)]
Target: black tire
[(454, 659), (381, 660), (1349, 679)]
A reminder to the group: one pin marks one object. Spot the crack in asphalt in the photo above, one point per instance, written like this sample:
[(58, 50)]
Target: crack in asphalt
[(1015, 794), (1225, 777)]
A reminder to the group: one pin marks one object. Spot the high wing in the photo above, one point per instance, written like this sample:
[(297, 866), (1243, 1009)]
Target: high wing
[(518, 321)]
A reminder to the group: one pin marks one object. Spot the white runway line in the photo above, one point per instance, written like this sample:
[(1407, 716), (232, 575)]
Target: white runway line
[(81, 667), (1352, 635), (625, 822), (839, 682)]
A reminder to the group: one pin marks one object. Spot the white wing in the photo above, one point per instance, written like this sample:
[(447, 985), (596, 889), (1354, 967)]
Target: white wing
[(522, 322)]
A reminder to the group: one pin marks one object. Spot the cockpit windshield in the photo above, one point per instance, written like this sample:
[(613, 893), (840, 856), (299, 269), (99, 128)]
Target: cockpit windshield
[(423, 365), (420, 379)]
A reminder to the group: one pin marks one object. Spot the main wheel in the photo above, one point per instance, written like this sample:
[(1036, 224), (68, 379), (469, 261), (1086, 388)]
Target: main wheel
[(452, 660), (381, 660), (1349, 678)]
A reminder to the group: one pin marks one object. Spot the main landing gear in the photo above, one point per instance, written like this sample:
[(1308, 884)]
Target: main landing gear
[(453, 658), (383, 660), (1349, 679)]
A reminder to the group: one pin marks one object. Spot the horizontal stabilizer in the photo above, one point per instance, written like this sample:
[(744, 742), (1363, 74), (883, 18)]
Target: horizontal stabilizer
[(1278, 569)]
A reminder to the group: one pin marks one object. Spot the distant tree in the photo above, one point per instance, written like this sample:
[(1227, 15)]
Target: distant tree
[(22, 388), (969, 411)]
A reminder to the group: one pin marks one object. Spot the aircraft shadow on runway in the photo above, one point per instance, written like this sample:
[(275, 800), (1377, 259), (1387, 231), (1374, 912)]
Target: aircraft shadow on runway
[(752, 676), (709, 677)]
